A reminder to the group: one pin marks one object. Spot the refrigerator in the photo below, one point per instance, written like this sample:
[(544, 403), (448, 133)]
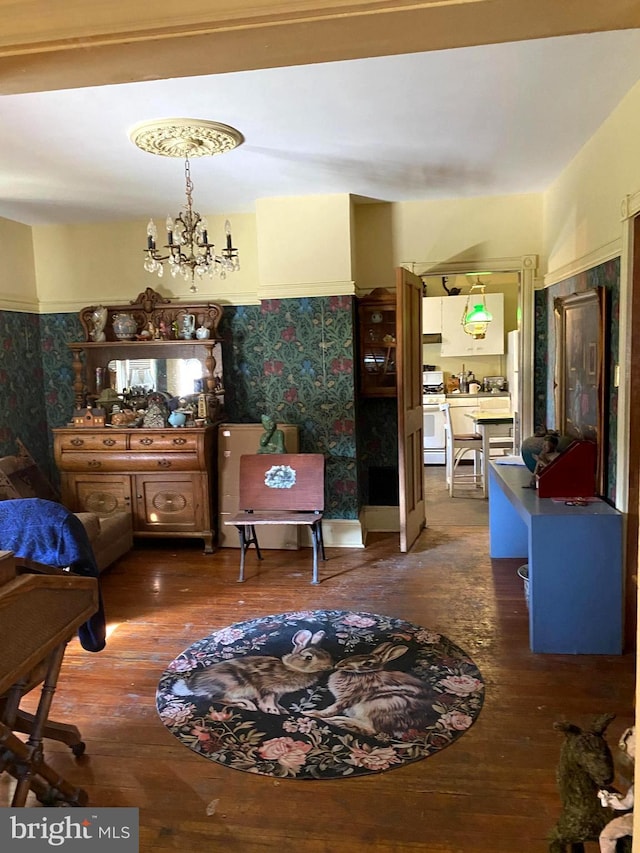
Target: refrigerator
[(513, 380), (235, 440)]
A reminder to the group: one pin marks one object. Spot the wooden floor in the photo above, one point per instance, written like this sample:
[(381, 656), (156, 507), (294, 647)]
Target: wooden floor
[(493, 790)]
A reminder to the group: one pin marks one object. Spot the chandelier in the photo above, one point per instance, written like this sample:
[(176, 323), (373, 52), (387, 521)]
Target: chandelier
[(476, 317), (187, 249)]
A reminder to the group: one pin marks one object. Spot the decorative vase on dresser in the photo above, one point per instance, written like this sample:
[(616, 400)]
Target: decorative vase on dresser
[(165, 477)]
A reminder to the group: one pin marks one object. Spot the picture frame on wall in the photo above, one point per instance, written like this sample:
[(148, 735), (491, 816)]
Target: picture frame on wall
[(582, 353)]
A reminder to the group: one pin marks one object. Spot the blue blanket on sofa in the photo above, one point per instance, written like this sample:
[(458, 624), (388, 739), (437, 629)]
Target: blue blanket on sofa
[(47, 532)]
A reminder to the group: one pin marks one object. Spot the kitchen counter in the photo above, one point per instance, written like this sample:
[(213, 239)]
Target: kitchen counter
[(454, 395)]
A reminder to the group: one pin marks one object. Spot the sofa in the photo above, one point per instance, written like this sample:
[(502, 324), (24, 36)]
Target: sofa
[(110, 536)]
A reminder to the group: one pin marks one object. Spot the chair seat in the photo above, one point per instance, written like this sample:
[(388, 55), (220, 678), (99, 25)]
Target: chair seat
[(280, 517), (470, 436)]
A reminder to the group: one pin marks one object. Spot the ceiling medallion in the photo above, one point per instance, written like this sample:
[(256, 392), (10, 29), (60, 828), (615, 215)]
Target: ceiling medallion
[(185, 137), (187, 249)]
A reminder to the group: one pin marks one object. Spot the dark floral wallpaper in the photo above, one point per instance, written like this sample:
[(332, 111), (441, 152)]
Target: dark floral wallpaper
[(540, 359), (22, 412), (292, 358)]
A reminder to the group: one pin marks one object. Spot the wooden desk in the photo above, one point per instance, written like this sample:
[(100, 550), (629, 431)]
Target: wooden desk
[(574, 555), (38, 616), (487, 424)]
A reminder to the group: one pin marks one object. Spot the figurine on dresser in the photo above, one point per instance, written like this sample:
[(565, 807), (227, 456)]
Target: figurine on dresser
[(272, 439), (99, 321), (157, 414)]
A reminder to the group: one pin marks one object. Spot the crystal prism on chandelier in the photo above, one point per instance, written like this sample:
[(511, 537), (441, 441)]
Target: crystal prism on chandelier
[(189, 252), (187, 249)]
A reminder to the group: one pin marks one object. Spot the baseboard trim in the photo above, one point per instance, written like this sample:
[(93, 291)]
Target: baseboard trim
[(380, 519), (338, 533)]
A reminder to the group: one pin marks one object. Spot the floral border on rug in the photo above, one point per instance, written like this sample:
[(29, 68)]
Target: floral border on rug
[(218, 696)]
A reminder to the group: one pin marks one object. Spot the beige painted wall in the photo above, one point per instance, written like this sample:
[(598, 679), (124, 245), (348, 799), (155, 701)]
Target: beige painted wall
[(582, 208), (18, 281), (79, 265), (471, 228), (303, 241), (290, 247), (388, 235)]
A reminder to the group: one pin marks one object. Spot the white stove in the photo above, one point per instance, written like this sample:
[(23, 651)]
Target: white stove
[(433, 429)]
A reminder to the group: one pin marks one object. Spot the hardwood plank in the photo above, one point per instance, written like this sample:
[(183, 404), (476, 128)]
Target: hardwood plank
[(492, 791)]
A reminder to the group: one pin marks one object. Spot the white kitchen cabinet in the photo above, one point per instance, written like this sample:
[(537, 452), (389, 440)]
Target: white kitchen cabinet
[(432, 315), (456, 342)]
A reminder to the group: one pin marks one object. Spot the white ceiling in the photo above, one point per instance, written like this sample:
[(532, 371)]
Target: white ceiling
[(476, 121)]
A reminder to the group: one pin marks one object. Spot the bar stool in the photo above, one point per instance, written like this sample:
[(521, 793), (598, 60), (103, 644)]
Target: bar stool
[(457, 446)]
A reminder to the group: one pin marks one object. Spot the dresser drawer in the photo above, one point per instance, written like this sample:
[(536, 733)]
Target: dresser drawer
[(130, 462), (93, 440), (175, 441)]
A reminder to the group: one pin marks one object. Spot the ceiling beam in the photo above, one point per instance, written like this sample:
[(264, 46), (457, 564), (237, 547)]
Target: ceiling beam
[(58, 44)]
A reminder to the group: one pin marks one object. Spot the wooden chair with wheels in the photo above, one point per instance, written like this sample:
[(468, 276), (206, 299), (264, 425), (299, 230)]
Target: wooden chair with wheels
[(38, 616), (458, 446), (33, 529)]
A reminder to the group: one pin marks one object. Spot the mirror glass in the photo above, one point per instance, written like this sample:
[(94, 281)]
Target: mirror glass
[(178, 377)]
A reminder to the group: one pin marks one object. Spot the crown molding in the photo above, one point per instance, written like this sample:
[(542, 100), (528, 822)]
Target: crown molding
[(598, 256), (442, 267), (7, 303), (297, 290)]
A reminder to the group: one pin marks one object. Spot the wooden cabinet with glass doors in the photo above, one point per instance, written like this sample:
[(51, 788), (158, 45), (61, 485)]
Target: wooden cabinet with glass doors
[(377, 343)]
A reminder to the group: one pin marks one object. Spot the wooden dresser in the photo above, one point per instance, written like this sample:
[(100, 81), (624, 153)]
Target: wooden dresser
[(164, 478)]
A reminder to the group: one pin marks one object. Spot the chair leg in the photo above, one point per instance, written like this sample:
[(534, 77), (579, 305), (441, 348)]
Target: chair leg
[(324, 556), (315, 539), (62, 732), (247, 534), (26, 762)]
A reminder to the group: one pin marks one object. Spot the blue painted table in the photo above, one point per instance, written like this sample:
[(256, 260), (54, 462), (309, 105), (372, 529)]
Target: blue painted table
[(575, 563)]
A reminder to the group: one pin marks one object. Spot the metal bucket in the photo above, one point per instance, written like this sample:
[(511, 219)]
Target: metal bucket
[(523, 573)]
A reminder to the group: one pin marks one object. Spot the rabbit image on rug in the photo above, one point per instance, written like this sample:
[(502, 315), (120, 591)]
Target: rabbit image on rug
[(257, 682), (371, 700)]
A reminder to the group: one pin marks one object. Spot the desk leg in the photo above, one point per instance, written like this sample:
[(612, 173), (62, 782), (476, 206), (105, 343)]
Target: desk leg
[(486, 447)]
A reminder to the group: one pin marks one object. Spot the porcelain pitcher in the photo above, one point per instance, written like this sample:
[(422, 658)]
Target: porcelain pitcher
[(188, 327)]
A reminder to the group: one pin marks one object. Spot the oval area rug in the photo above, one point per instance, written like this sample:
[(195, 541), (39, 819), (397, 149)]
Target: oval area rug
[(320, 694)]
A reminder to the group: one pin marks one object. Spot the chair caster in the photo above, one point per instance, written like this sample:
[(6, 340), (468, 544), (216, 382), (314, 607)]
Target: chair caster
[(78, 749)]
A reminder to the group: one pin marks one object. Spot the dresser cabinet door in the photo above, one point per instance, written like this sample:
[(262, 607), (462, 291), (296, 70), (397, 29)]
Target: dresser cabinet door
[(170, 503), (103, 494)]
